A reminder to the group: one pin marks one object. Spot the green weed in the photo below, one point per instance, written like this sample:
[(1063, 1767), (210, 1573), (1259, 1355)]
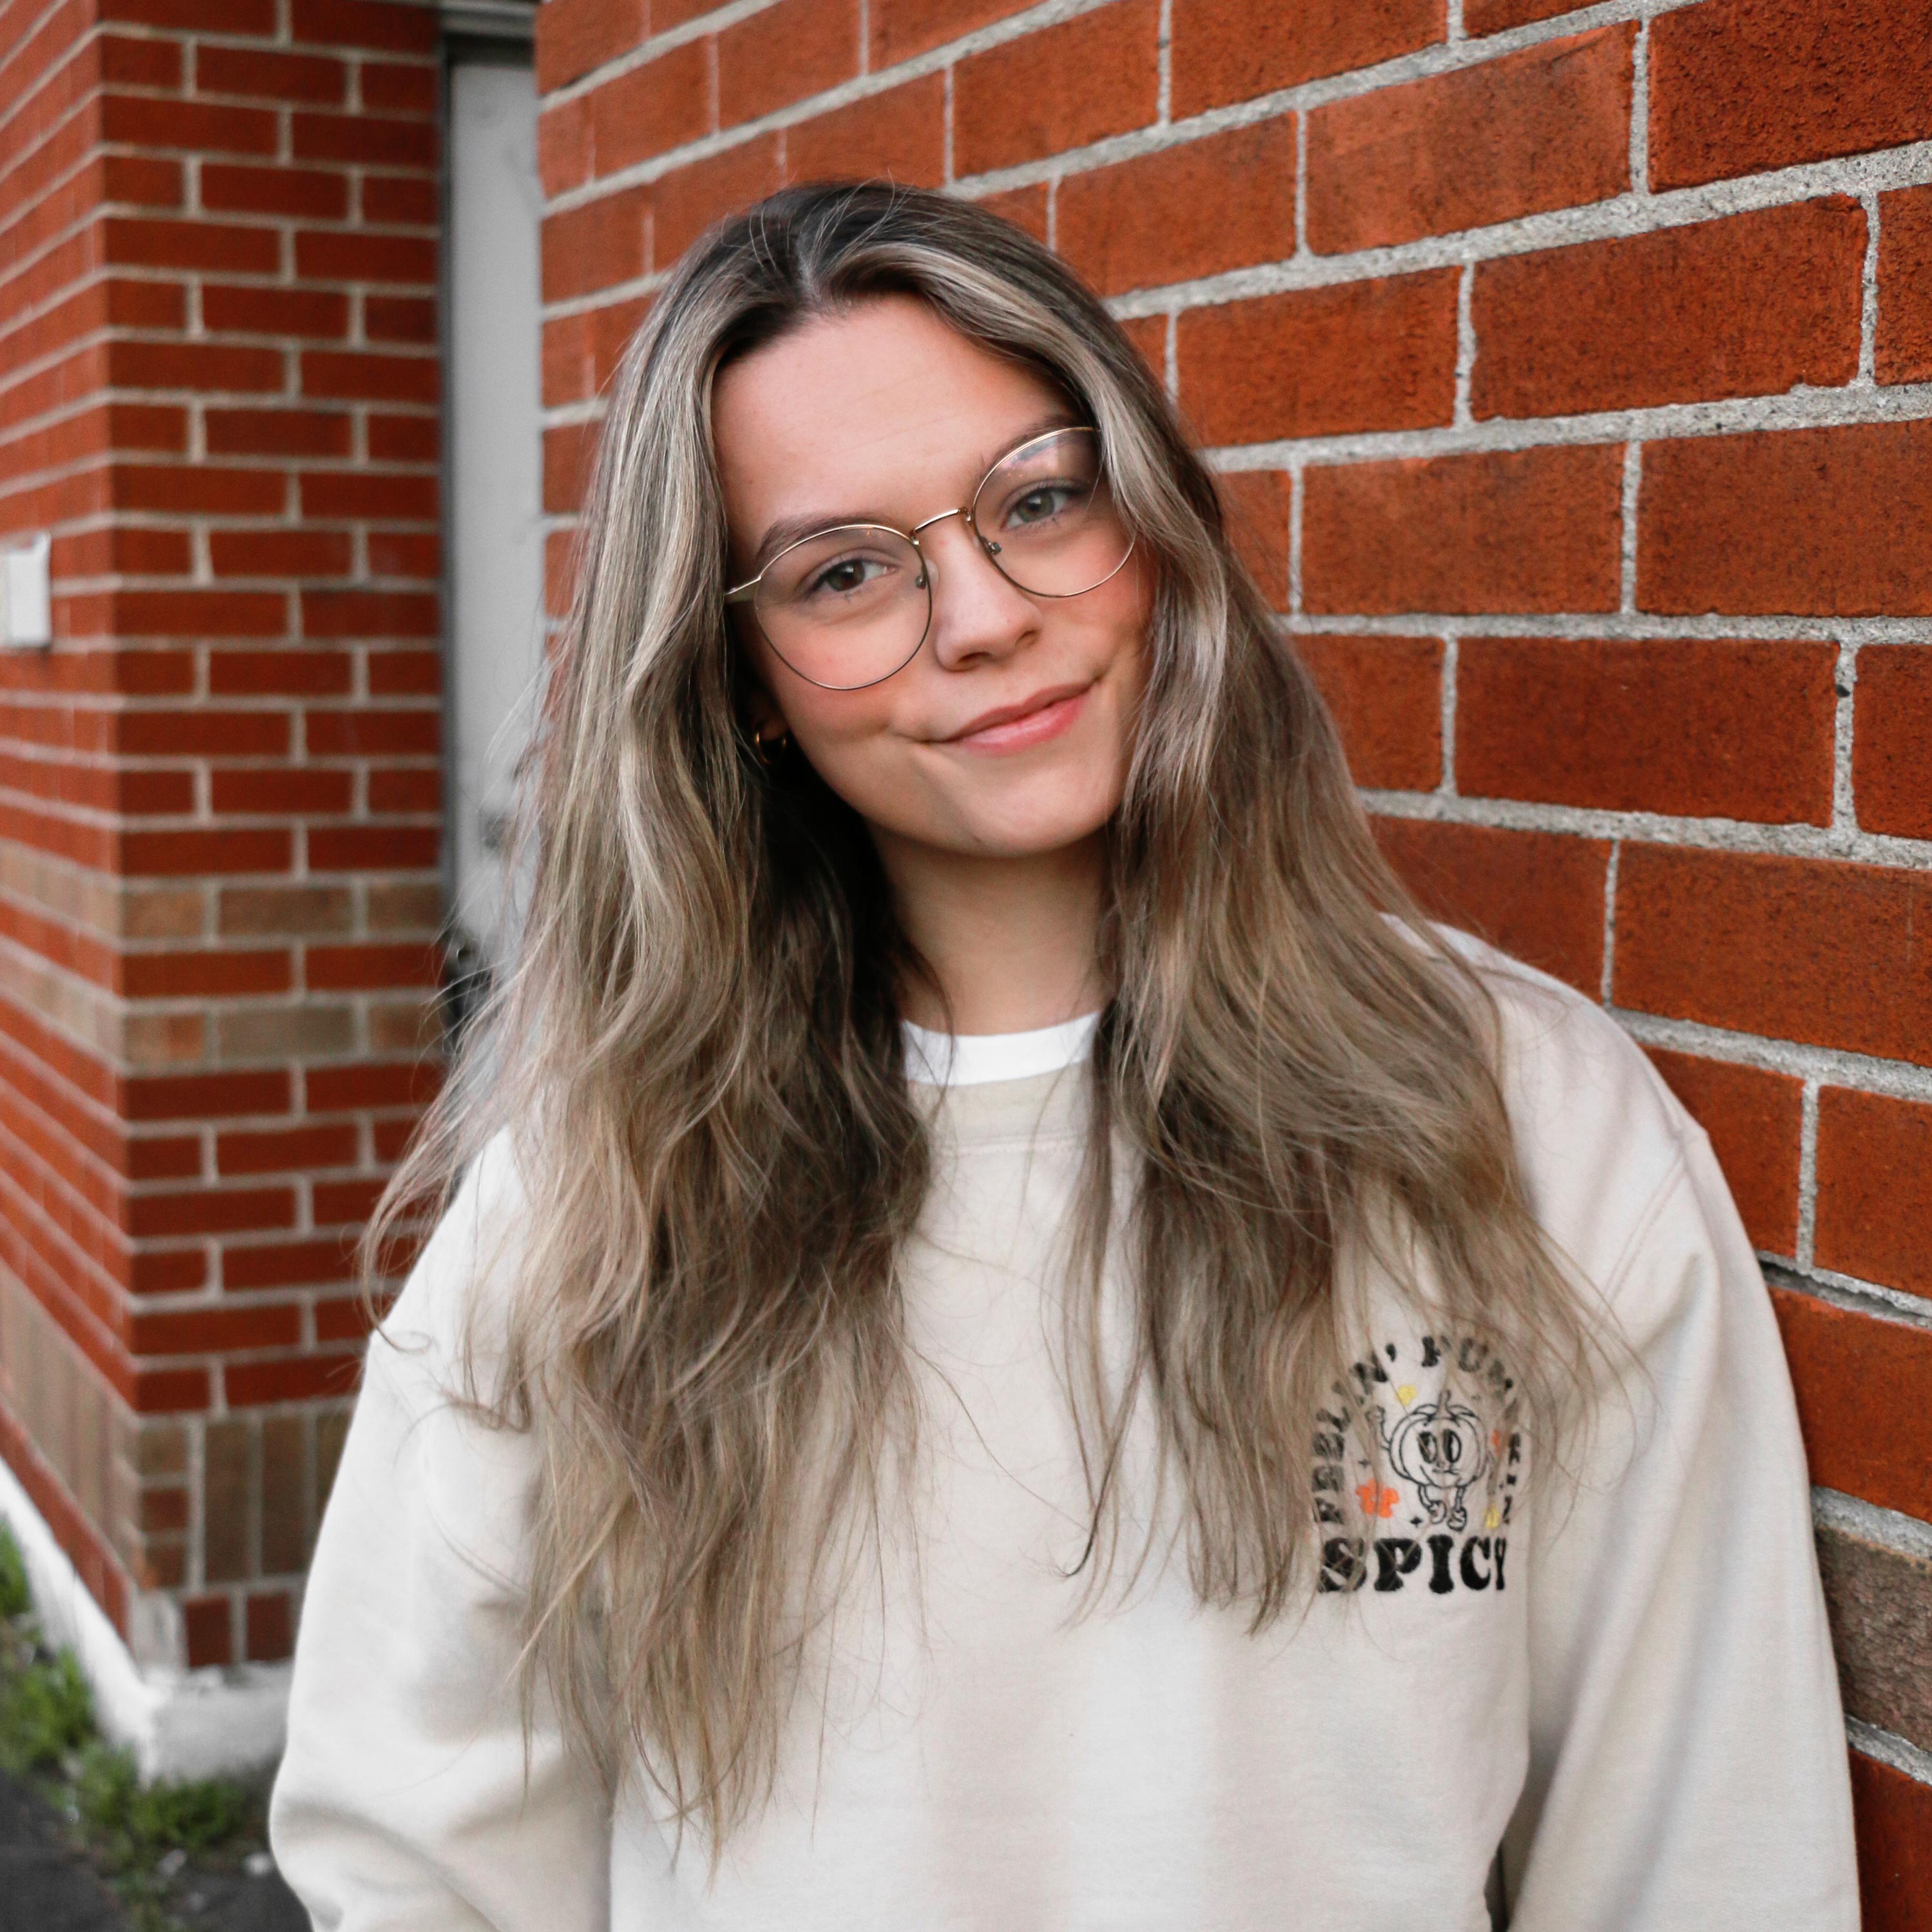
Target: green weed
[(16, 1600), (46, 1712), (129, 1827)]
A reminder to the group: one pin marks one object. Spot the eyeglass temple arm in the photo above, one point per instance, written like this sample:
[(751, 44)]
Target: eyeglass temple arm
[(742, 593)]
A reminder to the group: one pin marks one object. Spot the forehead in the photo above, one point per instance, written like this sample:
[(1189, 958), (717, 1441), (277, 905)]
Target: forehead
[(875, 408)]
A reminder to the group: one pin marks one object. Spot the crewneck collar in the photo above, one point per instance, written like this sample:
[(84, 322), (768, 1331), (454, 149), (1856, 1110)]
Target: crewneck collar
[(984, 1059)]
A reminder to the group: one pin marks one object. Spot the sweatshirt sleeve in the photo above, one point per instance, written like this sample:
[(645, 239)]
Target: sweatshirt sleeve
[(402, 1803), (1687, 1755)]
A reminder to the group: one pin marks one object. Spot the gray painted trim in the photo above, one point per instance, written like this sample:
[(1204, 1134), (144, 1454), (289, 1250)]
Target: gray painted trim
[(490, 19)]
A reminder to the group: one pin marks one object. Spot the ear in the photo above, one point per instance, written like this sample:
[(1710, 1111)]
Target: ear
[(761, 710)]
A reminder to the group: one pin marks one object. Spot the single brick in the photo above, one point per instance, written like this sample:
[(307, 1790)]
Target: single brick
[(1858, 1380), (1902, 352), (1702, 729), (686, 202), (315, 313), (289, 1378), (1755, 1119), (785, 52), (1892, 1812), (146, 120), (1537, 895), (207, 1331), (1830, 522), (271, 1636), (281, 792), (330, 255), (365, 139), (1362, 355), (1255, 508), (359, 375), (899, 134), (594, 246), (315, 192), (1385, 694), (901, 28), (1062, 87), (1547, 127), (146, 241), (1831, 954), (569, 449), (255, 73), (1891, 740), (659, 106), (399, 87), (1879, 1602), (1138, 224), (208, 1624), (364, 24), (1740, 86), (1874, 1188), (564, 156), (1233, 50), (1533, 529), (1656, 318)]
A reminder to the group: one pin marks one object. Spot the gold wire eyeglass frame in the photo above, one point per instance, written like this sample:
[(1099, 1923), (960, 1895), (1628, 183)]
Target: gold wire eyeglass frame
[(747, 592)]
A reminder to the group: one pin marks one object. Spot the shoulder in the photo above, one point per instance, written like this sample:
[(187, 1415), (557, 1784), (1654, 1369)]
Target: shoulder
[(1599, 1138)]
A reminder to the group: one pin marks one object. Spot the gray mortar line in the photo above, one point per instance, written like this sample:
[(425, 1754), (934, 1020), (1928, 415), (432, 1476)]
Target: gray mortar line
[(1465, 345), (1633, 481), (1640, 125), (1868, 294), (1609, 975), (1855, 1516), (1888, 1750), (1295, 498), (1648, 828), (1808, 1175), (1635, 625), (1844, 685), (1451, 671)]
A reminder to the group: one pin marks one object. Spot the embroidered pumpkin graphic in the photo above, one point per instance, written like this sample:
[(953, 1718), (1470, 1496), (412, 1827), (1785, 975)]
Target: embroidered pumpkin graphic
[(1442, 1447)]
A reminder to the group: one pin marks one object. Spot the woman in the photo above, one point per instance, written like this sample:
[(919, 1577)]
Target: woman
[(1020, 1343)]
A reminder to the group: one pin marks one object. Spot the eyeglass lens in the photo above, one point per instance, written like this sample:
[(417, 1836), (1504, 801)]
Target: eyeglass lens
[(849, 606)]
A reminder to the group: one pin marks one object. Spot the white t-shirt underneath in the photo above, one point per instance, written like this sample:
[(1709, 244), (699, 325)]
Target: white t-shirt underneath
[(978, 1059)]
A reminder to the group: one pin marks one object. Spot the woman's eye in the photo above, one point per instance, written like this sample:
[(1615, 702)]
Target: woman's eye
[(1043, 502), (848, 575)]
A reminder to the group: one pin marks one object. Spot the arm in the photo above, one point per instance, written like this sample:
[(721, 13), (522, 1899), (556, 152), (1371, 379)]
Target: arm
[(401, 1803), (1688, 1756)]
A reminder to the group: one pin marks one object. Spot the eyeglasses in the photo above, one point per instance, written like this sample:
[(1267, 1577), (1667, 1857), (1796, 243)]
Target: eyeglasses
[(847, 607)]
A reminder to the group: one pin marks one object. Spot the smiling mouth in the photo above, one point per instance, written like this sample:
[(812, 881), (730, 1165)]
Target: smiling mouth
[(1044, 715)]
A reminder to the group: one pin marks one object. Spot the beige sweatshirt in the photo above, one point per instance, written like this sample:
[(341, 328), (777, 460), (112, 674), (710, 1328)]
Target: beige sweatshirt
[(1628, 1687)]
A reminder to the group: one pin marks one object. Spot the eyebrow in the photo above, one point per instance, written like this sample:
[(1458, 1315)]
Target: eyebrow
[(790, 529)]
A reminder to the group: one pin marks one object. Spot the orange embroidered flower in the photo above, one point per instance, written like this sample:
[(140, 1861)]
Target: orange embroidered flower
[(1377, 1501)]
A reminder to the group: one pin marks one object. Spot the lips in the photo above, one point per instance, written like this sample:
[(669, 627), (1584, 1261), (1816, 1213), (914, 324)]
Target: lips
[(1033, 719)]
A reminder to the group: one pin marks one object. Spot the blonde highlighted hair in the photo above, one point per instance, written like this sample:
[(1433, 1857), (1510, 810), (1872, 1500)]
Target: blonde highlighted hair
[(698, 1053)]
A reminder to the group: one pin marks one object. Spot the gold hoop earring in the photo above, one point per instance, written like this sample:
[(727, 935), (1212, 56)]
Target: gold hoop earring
[(770, 748)]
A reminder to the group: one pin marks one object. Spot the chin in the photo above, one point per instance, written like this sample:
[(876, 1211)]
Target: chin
[(1028, 820)]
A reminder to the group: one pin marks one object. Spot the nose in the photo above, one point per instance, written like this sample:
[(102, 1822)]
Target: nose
[(977, 615)]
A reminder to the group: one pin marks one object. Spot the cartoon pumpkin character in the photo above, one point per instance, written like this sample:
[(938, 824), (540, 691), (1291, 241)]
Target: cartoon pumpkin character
[(1441, 1447)]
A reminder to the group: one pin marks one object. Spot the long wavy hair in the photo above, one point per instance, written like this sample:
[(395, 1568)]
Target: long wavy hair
[(698, 1055)]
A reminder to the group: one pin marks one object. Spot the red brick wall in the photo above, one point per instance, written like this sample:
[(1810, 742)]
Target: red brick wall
[(219, 791), (1572, 376)]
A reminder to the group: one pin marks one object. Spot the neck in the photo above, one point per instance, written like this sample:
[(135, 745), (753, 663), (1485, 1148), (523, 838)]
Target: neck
[(1011, 940)]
